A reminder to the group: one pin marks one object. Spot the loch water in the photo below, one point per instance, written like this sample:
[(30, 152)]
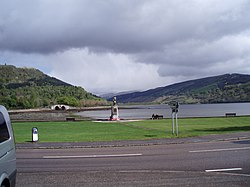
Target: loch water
[(188, 110)]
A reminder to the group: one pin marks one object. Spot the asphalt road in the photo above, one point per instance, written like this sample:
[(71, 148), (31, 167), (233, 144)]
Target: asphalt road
[(194, 164)]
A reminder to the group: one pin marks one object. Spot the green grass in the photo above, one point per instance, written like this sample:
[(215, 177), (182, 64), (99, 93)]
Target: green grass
[(189, 127), (140, 130), (81, 131)]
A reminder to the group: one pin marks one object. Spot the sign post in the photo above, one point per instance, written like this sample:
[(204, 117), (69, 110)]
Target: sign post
[(174, 105)]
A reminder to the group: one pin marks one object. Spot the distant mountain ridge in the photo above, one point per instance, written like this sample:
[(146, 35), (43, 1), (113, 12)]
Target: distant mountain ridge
[(31, 88), (216, 89), (111, 95)]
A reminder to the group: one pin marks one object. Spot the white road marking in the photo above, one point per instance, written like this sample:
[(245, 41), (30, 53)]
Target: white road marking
[(228, 169), (92, 156), (214, 150), (238, 174)]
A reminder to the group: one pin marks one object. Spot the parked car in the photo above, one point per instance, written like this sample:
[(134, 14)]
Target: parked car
[(7, 151)]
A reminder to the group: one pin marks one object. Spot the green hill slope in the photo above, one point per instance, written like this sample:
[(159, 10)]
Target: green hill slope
[(217, 89), (30, 88)]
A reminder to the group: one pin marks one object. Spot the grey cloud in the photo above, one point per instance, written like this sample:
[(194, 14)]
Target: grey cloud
[(180, 37), (43, 27), (118, 26)]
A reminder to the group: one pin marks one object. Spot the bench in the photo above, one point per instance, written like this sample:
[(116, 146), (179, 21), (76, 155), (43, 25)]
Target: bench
[(157, 116), (230, 114), (70, 119)]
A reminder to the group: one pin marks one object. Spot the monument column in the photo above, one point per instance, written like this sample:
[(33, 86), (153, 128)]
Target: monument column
[(114, 111)]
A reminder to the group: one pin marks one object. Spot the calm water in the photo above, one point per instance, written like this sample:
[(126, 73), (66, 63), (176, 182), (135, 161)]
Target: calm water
[(195, 110)]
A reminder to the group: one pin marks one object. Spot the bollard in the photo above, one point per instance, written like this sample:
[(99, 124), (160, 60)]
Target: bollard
[(34, 134)]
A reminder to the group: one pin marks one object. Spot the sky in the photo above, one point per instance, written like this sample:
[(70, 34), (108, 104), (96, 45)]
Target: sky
[(108, 46)]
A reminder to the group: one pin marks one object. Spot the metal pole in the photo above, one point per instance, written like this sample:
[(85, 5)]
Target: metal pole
[(177, 128), (173, 123)]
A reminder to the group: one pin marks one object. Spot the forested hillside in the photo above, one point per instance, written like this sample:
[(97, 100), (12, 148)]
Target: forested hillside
[(217, 89), (30, 88)]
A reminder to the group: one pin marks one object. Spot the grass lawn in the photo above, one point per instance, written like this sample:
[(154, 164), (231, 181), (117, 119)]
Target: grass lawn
[(189, 127), (140, 130)]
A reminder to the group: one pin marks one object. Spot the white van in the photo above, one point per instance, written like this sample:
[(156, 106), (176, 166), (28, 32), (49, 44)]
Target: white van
[(7, 151)]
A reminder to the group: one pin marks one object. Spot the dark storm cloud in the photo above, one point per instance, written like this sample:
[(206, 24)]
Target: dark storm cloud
[(50, 26), (119, 26)]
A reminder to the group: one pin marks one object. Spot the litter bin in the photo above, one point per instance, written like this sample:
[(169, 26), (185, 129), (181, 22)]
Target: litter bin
[(34, 134)]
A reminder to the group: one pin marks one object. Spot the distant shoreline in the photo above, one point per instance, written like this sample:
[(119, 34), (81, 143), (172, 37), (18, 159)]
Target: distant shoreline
[(47, 114), (76, 109)]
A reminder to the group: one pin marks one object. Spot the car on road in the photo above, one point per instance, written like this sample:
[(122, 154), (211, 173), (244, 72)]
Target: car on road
[(7, 151)]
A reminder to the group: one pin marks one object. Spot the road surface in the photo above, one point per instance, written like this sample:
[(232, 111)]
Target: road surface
[(224, 163)]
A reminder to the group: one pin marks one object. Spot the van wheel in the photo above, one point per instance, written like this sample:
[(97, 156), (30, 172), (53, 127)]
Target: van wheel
[(5, 183)]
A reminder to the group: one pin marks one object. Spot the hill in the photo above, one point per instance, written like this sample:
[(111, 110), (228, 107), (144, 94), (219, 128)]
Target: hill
[(30, 88), (217, 89), (111, 95)]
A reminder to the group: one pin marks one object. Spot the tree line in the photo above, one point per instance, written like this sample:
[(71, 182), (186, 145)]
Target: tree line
[(44, 96)]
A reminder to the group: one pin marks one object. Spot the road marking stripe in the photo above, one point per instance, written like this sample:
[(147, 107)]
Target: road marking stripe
[(228, 169), (214, 150), (92, 156), (238, 174)]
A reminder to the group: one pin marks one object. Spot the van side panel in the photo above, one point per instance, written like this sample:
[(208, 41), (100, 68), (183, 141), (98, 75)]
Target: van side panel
[(7, 149)]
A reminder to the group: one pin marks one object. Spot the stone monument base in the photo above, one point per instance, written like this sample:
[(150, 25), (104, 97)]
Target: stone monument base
[(114, 119)]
